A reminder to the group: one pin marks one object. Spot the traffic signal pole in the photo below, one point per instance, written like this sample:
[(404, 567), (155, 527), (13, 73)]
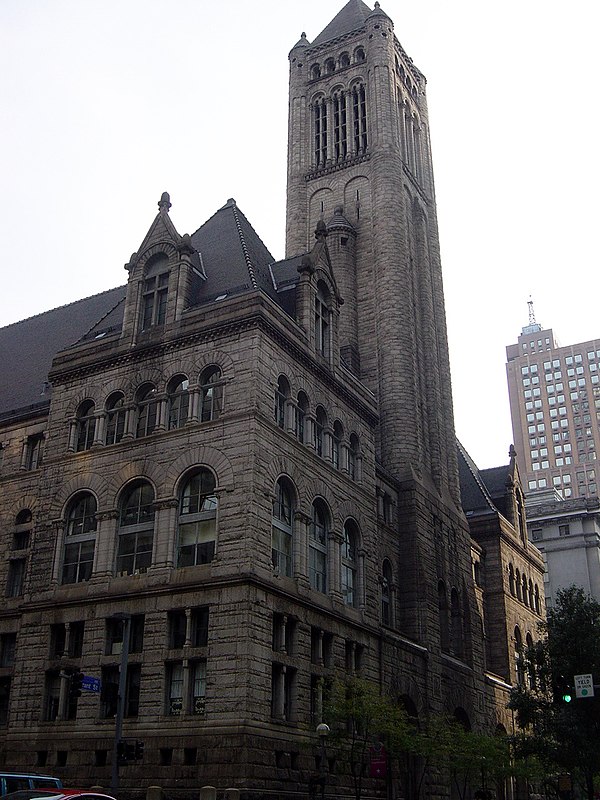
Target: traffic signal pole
[(126, 622)]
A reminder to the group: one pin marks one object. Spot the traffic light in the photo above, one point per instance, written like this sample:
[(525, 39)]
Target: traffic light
[(139, 750), (130, 751), (121, 751), (563, 691), (76, 685)]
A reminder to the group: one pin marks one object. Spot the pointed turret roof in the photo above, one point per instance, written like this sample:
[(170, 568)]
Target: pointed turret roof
[(350, 18)]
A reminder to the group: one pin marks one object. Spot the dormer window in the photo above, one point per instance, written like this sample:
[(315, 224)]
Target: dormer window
[(155, 292)]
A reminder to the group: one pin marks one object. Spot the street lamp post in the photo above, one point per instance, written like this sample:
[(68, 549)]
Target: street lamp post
[(126, 623), (323, 730)]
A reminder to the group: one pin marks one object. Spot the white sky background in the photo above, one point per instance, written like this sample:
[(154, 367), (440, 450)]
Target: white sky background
[(105, 104)]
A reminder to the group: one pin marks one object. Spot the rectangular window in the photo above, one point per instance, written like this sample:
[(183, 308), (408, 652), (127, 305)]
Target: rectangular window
[(175, 689), (8, 643), (33, 451), (114, 635), (16, 577), (198, 680), (110, 687), (52, 696), (4, 699), (283, 679), (563, 530)]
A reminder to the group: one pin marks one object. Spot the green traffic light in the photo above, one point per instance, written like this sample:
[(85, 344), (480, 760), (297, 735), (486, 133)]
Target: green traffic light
[(567, 698)]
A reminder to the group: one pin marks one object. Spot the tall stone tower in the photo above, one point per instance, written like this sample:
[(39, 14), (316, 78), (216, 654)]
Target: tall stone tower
[(359, 160)]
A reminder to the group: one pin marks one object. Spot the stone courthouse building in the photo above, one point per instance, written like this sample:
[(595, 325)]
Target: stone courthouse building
[(255, 462)]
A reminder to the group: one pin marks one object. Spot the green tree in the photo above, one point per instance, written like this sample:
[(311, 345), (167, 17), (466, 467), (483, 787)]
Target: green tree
[(564, 736), (360, 716), (472, 759)]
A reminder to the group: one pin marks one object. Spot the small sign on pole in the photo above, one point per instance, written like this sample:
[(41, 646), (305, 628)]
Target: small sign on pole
[(584, 685), (90, 684)]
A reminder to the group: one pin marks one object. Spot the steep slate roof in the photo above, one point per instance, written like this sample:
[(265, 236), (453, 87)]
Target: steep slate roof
[(350, 18), (28, 347), (233, 256), (474, 492)]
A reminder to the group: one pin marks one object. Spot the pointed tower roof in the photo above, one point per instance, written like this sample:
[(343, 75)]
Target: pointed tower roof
[(350, 18)]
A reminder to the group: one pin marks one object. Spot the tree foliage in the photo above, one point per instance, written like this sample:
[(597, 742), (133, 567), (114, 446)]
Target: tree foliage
[(360, 715), (564, 736)]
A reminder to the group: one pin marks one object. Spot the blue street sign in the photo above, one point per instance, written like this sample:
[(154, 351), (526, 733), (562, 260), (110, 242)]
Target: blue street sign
[(90, 684)]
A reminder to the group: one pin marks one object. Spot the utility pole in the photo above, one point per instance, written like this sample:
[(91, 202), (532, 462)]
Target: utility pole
[(126, 623)]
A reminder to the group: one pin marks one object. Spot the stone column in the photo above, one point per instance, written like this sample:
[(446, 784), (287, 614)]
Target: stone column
[(300, 545), (99, 430), (334, 551), (360, 589), (165, 533), (194, 406), (72, 436), (106, 544)]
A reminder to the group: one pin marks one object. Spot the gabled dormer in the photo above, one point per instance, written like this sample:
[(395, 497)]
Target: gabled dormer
[(318, 300), (161, 276)]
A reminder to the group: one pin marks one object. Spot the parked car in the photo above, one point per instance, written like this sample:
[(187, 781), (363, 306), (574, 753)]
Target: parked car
[(11, 782), (58, 794)]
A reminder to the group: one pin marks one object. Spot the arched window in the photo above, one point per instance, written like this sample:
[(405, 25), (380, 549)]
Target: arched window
[(136, 529), (115, 418), (353, 457), (212, 394), (350, 564), (518, 585), (359, 54), (86, 425), (317, 547), (80, 539), (301, 411), (147, 410), (330, 66), (282, 393), (344, 60), (282, 532), (197, 520), (178, 398), (386, 593), (340, 125), (531, 595), (155, 292), (322, 321), (336, 445), (320, 131), (530, 665), (315, 72), (511, 579), (359, 118), (443, 617), (456, 630), (519, 660), (524, 592), (320, 425), (537, 599)]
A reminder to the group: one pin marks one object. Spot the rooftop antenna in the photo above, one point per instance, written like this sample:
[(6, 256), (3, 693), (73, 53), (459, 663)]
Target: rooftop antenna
[(531, 311)]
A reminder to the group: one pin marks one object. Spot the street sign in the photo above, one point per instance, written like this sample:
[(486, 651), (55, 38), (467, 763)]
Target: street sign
[(584, 685), (89, 684)]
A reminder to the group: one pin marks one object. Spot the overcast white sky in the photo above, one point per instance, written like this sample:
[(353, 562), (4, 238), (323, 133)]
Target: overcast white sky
[(104, 104)]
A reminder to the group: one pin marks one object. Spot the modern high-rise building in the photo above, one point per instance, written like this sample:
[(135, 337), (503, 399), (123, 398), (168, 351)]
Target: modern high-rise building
[(241, 475), (554, 395)]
